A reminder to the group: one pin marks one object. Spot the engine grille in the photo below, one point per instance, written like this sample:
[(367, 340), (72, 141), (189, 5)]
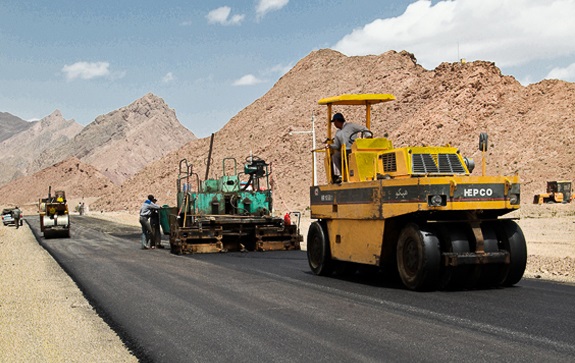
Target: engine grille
[(436, 164), (389, 162)]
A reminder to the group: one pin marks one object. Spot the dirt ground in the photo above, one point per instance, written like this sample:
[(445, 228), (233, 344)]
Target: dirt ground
[(550, 234), (549, 231)]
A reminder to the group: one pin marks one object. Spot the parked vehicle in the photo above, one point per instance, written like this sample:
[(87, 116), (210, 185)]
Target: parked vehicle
[(7, 216), (557, 192)]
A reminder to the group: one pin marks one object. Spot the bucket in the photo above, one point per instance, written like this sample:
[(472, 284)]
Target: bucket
[(165, 212)]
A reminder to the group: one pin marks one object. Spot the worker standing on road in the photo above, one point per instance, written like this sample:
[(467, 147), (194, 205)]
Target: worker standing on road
[(145, 213), (156, 236), (16, 214)]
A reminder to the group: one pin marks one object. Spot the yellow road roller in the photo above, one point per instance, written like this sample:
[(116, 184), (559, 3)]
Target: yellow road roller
[(412, 211), (54, 216)]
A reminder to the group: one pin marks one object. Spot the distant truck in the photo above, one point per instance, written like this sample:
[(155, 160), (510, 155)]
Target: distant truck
[(557, 192)]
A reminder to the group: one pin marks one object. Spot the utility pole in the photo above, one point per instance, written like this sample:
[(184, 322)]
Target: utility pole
[(312, 132)]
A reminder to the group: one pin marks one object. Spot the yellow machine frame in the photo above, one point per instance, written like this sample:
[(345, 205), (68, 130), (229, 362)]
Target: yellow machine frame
[(381, 192)]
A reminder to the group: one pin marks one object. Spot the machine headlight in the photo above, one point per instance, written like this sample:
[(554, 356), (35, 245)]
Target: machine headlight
[(436, 200), (514, 199), (470, 164)]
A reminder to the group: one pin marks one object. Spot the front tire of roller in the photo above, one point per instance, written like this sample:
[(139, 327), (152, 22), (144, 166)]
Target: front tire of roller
[(318, 250), (418, 258), (513, 241)]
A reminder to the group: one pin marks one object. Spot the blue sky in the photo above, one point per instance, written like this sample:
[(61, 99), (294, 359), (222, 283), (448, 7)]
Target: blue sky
[(210, 59)]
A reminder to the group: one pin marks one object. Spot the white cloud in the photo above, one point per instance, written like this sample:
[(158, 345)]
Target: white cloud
[(169, 77), (265, 6), (221, 16), (507, 32), (280, 69), (86, 70), (248, 80), (272, 72), (566, 74)]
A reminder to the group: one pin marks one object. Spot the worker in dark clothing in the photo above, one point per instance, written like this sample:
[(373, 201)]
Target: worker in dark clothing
[(145, 213), (156, 236), (16, 214)]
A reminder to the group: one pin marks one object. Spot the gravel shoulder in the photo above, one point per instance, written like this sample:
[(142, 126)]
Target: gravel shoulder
[(44, 317)]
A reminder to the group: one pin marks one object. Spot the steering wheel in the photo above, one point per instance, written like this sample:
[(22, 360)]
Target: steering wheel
[(364, 134)]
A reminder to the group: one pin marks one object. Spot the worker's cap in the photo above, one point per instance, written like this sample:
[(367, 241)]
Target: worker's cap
[(338, 117), (151, 197)]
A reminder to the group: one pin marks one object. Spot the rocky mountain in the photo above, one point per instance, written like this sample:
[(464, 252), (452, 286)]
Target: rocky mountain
[(79, 180), (28, 142), (530, 128), (122, 142), (10, 125)]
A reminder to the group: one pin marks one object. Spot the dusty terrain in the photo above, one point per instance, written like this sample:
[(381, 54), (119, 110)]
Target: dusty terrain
[(550, 234)]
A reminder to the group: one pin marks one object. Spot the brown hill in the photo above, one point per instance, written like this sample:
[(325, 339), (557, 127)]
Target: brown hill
[(530, 128), (122, 142), (79, 180), (21, 149)]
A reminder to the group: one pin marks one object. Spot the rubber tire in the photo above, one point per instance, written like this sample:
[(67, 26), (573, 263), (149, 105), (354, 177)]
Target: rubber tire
[(418, 258), (318, 250), (513, 241), (489, 274), (455, 239)]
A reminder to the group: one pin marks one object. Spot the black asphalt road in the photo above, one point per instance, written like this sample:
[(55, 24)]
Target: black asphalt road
[(268, 307)]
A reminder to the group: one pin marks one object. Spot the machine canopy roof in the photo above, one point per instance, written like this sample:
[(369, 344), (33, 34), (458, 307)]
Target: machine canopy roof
[(357, 99)]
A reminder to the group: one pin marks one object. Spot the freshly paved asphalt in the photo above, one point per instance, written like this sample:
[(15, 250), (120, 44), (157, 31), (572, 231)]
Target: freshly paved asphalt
[(269, 307)]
